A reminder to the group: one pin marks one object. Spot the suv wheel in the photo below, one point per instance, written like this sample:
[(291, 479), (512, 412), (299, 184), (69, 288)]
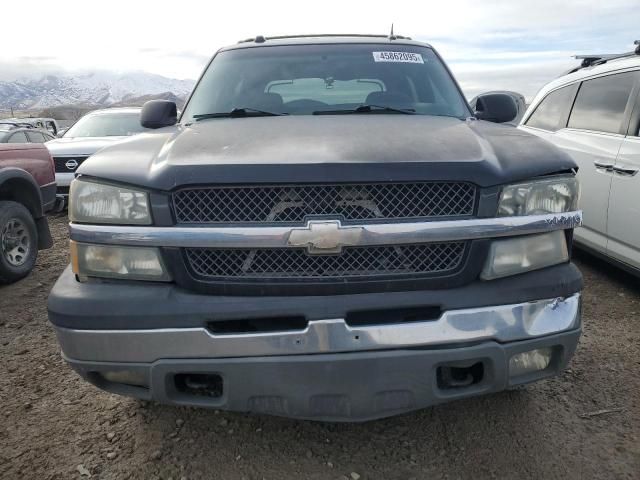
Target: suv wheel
[(18, 242)]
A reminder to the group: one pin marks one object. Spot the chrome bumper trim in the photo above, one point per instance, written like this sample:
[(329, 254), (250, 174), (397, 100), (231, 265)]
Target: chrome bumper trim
[(503, 323), (64, 179), (369, 234)]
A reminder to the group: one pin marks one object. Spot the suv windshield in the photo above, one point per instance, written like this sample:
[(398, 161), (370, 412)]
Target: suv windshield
[(316, 79), (106, 125)]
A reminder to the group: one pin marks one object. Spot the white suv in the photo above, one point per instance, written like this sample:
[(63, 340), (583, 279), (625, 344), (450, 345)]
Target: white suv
[(593, 114)]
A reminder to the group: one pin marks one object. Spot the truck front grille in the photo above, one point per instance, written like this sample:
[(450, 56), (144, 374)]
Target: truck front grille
[(352, 202), (293, 263), (68, 164)]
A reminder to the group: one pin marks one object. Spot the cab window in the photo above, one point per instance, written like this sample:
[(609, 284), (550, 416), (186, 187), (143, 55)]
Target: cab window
[(325, 90)]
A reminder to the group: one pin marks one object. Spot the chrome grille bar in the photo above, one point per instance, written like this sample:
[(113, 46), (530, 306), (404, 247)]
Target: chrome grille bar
[(405, 233)]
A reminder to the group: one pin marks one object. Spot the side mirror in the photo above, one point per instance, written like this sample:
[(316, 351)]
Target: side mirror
[(496, 107), (158, 114)]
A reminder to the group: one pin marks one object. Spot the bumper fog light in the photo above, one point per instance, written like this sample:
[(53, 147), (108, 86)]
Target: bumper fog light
[(529, 362), (523, 254), (127, 377)]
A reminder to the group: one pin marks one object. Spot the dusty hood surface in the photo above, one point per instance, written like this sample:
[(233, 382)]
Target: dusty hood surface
[(336, 148)]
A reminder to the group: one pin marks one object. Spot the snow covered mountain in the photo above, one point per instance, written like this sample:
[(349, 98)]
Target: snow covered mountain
[(94, 89)]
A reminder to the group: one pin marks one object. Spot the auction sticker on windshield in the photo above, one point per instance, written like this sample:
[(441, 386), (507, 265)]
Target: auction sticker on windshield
[(402, 57)]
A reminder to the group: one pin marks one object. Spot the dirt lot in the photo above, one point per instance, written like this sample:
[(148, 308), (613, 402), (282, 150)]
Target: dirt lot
[(584, 424)]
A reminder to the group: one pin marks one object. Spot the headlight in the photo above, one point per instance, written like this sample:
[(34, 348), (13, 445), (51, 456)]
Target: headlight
[(522, 254), (91, 202), (552, 195), (110, 261)]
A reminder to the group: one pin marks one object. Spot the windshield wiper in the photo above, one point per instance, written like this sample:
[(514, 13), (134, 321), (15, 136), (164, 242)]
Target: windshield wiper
[(239, 112), (368, 108)]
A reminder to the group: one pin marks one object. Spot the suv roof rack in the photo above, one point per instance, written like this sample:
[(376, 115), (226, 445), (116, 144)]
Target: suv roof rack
[(592, 60), (262, 39)]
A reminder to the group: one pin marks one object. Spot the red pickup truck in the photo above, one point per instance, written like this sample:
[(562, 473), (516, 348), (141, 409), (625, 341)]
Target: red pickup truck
[(27, 192)]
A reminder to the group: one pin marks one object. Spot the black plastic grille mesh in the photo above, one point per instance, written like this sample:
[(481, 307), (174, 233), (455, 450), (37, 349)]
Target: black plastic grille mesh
[(431, 258), (351, 201)]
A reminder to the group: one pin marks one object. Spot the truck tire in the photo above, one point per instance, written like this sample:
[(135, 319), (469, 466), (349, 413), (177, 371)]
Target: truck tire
[(18, 242)]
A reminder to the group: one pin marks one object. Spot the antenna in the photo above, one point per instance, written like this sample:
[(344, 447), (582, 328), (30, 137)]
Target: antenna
[(391, 35)]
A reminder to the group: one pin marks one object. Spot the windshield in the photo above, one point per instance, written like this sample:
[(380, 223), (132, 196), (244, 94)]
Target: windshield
[(310, 79), (106, 125)]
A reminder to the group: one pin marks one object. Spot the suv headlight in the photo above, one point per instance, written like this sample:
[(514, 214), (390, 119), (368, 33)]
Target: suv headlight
[(91, 202), (550, 195)]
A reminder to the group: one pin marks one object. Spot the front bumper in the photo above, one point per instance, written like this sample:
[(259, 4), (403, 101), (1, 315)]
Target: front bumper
[(503, 324), (356, 386), (330, 370)]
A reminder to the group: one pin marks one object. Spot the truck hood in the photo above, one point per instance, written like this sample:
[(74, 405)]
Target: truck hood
[(336, 148), (80, 145)]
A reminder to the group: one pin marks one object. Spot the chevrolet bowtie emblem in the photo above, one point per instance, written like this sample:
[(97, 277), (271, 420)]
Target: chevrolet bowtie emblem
[(325, 236)]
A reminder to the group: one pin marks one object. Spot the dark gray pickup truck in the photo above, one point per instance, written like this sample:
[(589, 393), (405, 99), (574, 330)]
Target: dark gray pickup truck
[(327, 232)]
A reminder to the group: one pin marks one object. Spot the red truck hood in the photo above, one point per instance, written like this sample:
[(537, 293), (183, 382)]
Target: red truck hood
[(4, 147)]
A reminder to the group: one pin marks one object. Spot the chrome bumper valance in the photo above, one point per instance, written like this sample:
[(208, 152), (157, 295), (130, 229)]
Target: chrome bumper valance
[(501, 323)]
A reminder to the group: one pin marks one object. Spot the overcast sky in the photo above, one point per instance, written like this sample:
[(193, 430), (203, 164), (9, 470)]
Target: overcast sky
[(489, 44)]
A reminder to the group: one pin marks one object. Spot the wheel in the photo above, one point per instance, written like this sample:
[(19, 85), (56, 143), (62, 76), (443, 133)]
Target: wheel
[(18, 242)]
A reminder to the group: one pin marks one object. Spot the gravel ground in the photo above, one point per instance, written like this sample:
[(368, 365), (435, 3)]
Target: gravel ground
[(583, 424)]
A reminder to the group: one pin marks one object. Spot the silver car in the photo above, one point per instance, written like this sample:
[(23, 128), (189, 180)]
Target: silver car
[(89, 134)]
